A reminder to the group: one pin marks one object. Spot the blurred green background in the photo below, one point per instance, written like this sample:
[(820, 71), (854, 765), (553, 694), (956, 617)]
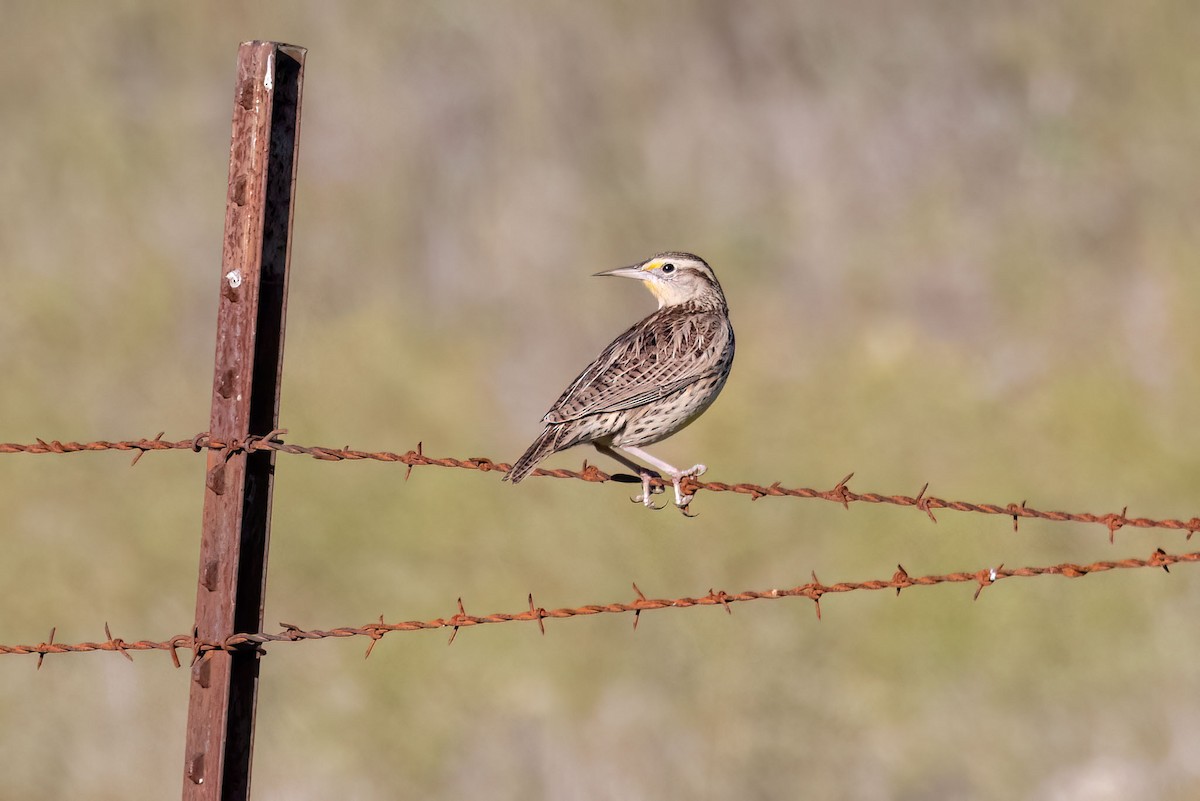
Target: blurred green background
[(959, 245)]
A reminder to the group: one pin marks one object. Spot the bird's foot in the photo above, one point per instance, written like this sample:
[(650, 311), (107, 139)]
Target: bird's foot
[(648, 491), (682, 500)]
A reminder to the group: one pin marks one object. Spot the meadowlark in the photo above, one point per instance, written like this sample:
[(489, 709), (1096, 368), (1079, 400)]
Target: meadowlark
[(653, 380)]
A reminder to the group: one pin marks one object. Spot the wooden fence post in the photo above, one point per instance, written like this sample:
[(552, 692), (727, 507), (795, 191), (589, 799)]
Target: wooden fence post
[(245, 403)]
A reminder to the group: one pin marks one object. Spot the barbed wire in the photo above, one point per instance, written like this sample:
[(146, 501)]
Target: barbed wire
[(840, 493), (813, 590)]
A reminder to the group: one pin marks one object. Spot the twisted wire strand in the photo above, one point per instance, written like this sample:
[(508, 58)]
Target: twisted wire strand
[(839, 493), (813, 590)]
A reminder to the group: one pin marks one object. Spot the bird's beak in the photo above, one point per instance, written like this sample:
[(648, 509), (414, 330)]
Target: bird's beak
[(633, 271)]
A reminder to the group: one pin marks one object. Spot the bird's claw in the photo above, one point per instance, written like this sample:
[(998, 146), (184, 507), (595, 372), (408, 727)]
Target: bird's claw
[(644, 500), (648, 491), (683, 507), (682, 501)]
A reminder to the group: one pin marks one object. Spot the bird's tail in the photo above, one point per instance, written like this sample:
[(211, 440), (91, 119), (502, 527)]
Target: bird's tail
[(546, 444)]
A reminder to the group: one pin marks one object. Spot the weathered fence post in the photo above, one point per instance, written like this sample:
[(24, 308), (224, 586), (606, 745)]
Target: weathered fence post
[(245, 403)]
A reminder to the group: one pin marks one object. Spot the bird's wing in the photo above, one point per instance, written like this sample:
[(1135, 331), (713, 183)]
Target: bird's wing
[(660, 355)]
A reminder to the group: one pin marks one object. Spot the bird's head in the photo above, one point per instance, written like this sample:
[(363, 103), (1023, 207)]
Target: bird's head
[(676, 278)]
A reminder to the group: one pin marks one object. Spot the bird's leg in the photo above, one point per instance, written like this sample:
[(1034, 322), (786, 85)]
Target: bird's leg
[(677, 476), (645, 475)]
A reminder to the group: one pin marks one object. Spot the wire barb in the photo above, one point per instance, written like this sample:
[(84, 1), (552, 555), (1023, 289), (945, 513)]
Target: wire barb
[(142, 451), (1114, 522), (42, 653), (987, 578), (457, 621), (923, 504), (376, 634), (116, 644), (637, 609), (815, 590), (538, 613)]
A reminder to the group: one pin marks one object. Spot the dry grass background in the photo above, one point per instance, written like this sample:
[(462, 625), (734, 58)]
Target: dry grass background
[(959, 244)]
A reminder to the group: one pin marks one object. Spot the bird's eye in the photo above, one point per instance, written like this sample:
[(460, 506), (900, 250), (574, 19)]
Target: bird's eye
[(668, 268)]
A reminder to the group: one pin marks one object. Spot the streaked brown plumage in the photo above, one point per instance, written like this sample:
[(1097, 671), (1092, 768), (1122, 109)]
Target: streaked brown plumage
[(653, 380)]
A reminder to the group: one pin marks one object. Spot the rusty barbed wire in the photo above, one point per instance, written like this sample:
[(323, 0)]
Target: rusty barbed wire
[(813, 590), (840, 493)]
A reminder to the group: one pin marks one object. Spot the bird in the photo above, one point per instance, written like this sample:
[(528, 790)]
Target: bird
[(651, 381)]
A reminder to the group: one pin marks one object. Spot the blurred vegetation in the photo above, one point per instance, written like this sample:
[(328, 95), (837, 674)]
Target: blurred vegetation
[(958, 240)]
